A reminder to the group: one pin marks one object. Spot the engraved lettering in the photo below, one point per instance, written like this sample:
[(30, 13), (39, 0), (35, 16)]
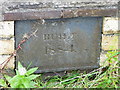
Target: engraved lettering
[(52, 36), (64, 36), (59, 49), (72, 47), (58, 36), (49, 50), (46, 50), (48, 36), (44, 36)]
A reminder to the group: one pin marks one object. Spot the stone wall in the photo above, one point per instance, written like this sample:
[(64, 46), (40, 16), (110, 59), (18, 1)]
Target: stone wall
[(6, 41), (109, 39), (110, 36)]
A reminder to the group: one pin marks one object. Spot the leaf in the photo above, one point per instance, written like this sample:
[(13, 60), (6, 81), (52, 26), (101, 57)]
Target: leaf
[(115, 54), (71, 81), (8, 78), (17, 73), (3, 83), (15, 82), (32, 77), (109, 81), (31, 71), (26, 83), (32, 84), (20, 65), (21, 69)]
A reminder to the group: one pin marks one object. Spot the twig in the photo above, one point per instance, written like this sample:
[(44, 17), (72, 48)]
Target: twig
[(25, 38)]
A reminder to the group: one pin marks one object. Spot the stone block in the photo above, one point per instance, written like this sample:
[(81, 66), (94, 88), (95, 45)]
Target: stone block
[(110, 25), (103, 58), (7, 29), (109, 42), (10, 64), (6, 46)]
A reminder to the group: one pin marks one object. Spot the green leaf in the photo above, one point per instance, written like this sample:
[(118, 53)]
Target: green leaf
[(109, 81), (32, 84), (116, 53), (17, 73), (71, 81), (26, 82), (8, 78), (32, 77), (31, 71), (20, 65), (3, 83), (15, 82), (21, 69)]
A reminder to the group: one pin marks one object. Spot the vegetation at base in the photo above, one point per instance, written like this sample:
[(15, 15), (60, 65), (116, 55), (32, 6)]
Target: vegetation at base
[(22, 79), (104, 77)]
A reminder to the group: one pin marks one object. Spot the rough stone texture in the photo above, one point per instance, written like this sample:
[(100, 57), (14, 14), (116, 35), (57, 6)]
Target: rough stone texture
[(110, 37), (40, 5), (110, 25), (103, 58), (61, 0), (7, 29), (6, 46), (6, 42), (109, 42), (5, 57), (61, 44)]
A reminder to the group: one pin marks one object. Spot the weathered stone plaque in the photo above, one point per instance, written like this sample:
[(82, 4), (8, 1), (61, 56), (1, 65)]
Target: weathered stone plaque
[(60, 44)]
